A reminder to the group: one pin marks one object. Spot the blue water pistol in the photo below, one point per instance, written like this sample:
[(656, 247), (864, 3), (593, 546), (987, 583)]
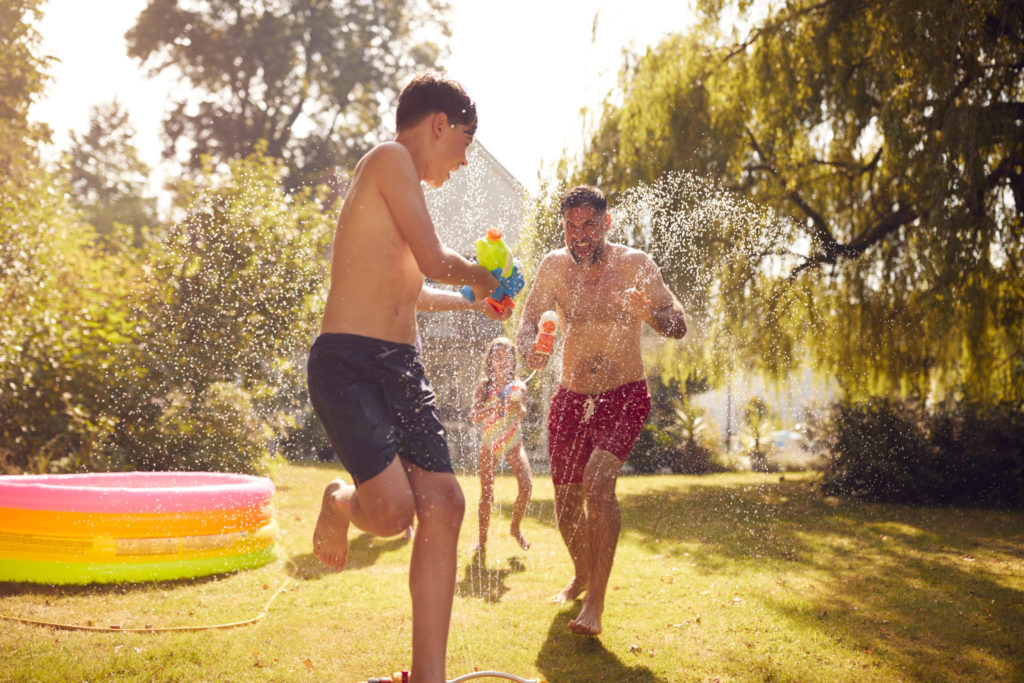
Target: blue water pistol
[(494, 255)]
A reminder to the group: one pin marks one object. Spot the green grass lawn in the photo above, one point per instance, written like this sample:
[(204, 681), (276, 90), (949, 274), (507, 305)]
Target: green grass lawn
[(733, 577)]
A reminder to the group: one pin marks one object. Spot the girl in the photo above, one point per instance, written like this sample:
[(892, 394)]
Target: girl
[(497, 403)]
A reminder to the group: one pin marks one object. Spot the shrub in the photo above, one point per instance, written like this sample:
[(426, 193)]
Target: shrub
[(899, 452)]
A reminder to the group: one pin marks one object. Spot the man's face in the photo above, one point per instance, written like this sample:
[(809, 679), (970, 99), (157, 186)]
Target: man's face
[(584, 233)]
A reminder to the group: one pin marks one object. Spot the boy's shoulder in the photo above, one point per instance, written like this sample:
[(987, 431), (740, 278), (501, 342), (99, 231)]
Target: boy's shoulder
[(390, 151)]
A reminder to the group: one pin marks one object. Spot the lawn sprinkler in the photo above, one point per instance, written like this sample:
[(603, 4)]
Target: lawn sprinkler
[(403, 677)]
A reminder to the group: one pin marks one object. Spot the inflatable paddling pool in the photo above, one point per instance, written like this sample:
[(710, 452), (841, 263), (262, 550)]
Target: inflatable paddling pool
[(133, 526)]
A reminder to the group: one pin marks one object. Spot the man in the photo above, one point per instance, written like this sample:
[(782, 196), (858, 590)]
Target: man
[(366, 382), (603, 293)]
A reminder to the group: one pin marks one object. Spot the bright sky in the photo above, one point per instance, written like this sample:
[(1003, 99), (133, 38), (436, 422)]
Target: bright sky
[(531, 66)]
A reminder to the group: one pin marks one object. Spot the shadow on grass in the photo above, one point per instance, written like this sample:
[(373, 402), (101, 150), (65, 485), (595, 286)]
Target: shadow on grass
[(363, 551), (479, 581), (567, 658), (899, 581), (66, 590)]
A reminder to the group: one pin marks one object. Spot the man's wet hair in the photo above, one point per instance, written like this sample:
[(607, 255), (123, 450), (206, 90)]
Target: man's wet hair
[(584, 195), (431, 92)]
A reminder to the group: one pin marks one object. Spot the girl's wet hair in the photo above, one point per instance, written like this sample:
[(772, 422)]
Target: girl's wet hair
[(487, 378), (431, 92)]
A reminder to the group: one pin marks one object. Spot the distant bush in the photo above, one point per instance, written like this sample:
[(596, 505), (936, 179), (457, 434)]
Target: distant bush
[(900, 452)]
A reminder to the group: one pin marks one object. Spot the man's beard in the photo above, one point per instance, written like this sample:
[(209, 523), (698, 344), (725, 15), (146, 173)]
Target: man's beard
[(595, 254)]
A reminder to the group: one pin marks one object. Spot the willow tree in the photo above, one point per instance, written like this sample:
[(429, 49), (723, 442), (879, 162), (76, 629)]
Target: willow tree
[(887, 139), (309, 77)]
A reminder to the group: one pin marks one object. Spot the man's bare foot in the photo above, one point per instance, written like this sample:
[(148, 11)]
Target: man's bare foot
[(330, 538), (571, 591), (518, 535), (587, 622)]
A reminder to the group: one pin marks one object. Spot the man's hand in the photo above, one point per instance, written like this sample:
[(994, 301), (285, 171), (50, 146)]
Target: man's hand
[(534, 360), (635, 302)]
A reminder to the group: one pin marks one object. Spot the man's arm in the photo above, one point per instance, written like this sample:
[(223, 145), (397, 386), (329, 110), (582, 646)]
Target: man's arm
[(540, 298), (655, 303)]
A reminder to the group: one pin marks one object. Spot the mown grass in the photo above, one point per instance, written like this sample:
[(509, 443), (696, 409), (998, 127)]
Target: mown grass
[(733, 577)]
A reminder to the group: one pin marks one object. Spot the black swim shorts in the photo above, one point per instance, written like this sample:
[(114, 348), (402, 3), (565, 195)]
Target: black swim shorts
[(375, 402)]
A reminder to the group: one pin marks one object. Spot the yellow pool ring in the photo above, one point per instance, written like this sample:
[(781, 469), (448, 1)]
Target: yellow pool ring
[(64, 523), (128, 549)]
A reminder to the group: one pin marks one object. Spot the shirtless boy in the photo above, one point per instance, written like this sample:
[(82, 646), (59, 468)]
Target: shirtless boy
[(603, 293), (365, 378)]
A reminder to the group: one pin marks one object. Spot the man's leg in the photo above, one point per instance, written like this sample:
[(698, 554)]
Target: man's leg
[(440, 506), (382, 505), (572, 524), (603, 524)]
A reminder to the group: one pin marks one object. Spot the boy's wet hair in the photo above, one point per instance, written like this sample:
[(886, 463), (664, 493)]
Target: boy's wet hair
[(431, 92), (584, 195)]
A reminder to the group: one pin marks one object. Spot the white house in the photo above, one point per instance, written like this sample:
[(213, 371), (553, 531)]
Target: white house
[(479, 196)]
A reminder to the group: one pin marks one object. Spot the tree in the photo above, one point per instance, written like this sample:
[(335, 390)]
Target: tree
[(22, 79), (61, 304), (108, 180), (228, 310), (310, 77), (890, 139)]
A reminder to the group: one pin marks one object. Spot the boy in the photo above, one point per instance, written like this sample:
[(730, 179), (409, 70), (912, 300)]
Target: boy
[(365, 379)]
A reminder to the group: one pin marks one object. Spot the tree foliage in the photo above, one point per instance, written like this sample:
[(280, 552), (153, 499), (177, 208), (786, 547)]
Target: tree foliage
[(230, 307), (888, 140), (107, 177), (310, 77)]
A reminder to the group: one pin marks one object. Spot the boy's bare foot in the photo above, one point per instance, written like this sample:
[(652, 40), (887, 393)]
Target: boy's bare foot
[(518, 535), (330, 538), (586, 623), (571, 591)]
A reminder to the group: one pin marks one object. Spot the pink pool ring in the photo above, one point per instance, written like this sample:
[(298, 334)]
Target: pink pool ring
[(133, 526)]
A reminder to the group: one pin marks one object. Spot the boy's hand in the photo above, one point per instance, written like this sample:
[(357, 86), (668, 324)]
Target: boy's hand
[(489, 284), (481, 306)]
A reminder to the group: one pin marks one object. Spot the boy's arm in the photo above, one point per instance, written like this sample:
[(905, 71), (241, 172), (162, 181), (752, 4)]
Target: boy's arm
[(540, 298), (433, 300), (399, 184)]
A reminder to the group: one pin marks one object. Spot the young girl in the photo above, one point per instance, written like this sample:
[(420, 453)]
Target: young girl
[(497, 404)]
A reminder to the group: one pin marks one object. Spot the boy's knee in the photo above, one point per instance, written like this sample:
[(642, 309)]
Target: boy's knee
[(395, 517), (447, 502)]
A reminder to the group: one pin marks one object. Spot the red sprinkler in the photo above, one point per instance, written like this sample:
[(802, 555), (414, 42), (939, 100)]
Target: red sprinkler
[(403, 677)]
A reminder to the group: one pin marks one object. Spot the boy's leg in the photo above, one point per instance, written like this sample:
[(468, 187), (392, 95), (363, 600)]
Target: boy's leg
[(440, 506), (521, 469), (382, 505), (603, 524)]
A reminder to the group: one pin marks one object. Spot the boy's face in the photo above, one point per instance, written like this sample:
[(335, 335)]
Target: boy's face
[(450, 151)]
